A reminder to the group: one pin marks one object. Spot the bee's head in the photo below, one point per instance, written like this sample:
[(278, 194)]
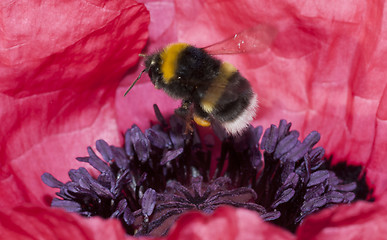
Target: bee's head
[(152, 66)]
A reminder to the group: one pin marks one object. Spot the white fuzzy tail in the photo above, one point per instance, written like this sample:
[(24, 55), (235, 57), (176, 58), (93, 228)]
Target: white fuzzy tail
[(237, 126)]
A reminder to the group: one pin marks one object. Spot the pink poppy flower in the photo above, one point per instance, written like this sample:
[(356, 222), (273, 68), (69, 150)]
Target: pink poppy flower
[(61, 66)]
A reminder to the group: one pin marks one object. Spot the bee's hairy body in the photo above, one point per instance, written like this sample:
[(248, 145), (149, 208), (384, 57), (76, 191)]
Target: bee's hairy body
[(216, 89)]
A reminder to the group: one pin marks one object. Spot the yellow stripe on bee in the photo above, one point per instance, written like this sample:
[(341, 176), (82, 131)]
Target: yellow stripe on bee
[(217, 87), (169, 57), (201, 121)]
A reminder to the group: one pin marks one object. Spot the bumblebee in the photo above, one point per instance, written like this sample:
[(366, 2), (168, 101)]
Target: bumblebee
[(212, 91), (209, 88)]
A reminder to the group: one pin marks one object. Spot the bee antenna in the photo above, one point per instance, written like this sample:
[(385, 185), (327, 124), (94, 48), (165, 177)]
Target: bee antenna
[(134, 82)]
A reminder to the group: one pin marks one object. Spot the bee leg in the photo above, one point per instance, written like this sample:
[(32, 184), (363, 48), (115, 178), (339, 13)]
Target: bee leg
[(185, 111), (188, 126)]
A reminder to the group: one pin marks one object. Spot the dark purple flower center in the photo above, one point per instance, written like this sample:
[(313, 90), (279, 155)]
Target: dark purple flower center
[(164, 172)]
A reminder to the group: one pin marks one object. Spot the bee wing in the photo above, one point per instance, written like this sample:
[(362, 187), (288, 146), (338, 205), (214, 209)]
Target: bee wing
[(254, 39)]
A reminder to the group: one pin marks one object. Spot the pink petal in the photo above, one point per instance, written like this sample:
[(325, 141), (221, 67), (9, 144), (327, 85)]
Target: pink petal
[(47, 223), (327, 65), (60, 65), (226, 223), (361, 220)]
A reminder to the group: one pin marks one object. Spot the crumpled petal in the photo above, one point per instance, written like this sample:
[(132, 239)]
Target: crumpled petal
[(361, 220), (226, 223), (31, 222), (60, 65)]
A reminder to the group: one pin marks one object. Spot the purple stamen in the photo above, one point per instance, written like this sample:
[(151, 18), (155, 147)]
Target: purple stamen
[(165, 171)]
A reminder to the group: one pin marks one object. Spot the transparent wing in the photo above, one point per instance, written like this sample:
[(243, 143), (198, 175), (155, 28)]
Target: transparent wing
[(255, 39)]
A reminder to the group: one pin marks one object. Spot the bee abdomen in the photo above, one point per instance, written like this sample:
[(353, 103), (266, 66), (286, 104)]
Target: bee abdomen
[(238, 120), (230, 100), (217, 87)]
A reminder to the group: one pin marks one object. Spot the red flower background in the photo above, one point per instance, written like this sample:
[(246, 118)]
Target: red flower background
[(61, 89)]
